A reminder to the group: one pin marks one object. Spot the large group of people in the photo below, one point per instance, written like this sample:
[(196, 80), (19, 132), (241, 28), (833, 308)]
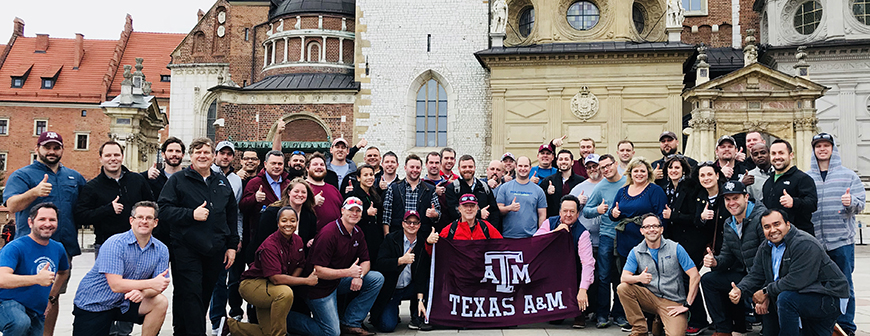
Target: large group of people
[(315, 244)]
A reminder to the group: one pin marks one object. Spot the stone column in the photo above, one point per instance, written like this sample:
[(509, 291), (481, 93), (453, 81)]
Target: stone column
[(323, 49), (703, 132), (265, 55), (498, 119), (614, 117), (804, 129), (554, 111), (675, 109), (273, 52), (341, 50), (285, 50), (848, 129), (302, 49)]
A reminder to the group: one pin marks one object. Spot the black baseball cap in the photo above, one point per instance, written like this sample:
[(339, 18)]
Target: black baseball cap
[(733, 187)]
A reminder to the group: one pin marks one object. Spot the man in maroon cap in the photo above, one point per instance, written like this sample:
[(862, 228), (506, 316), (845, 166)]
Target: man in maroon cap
[(404, 275), (545, 164)]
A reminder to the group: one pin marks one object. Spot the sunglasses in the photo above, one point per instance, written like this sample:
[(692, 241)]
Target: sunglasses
[(250, 158), (412, 222), (824, 136), (351, 201), (297, 152), (678, 156), (468, 198)]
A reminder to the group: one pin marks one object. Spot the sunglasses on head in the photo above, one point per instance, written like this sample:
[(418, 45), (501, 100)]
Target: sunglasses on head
[(353, 201), (297, 152), (467, 198), (824, 136)]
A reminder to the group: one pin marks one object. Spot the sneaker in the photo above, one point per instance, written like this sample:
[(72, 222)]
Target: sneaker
[(425, 326), (694, 331), (237, 318), (622, 323), (602, 323), (415, 324), (579, 322)]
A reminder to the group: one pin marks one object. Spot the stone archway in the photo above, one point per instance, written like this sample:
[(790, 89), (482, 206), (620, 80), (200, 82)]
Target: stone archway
[(754, 98)]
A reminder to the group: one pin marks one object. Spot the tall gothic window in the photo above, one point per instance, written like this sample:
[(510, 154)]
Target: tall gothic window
[(209, 120), (583, 15), (807, 17), (527, 21), (431, 116)]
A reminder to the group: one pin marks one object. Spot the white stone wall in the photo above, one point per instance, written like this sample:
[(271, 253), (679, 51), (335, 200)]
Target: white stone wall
[(838, 22), (189, 96), (399, 63)]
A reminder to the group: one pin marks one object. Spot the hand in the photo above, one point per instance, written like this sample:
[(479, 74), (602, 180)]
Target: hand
[(319, 199), (583, 198), (421, 309), (372, 211), (761, 308), (431, 212), (615, 212), (407, 258), (153, 172), (492, 183), (666, 214), (43, 189), (310, 242), (484, 213), (260, 195), (354, 271), (644, 277), (349, 188), (514, 205), (759, 296), (134, 296), (439, 189), (433, 237), (707, 214), (535, 178), (243, 174), (659, 174), (160, 282), (676, 310), (281, 126), (45, 277), (709, 259), (602, 208), (118, 207), (741, 156), (847, 198), (551, 189), (200, 214), (582, 299), (362, 143), (558, 142), (786, 200), (727, 170), (562, 226), (748, 179), (229, 257), (508, 178), (383, 184), (356, 284), (734, 294), (311, 280)]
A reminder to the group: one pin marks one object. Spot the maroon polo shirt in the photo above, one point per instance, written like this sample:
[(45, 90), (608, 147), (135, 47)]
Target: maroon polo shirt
[(334, 247), (330, 210), (277, 255)]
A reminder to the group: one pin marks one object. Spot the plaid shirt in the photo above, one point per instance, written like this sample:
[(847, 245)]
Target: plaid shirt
[(412, 197)]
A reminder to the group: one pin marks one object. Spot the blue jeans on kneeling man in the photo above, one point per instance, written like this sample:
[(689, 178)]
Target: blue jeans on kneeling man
[(326, 321)]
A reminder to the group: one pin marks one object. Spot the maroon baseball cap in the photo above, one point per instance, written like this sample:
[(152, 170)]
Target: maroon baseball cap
[(410, 213), (49, 136), (467, 198), (545, 147)]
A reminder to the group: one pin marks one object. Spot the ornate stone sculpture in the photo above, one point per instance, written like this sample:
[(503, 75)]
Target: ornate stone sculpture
[(675, 13), (499, 17), (584, 105), (280, 27), (750, 50)]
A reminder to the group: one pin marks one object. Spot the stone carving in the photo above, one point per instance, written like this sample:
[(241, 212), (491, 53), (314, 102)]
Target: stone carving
[(806, 124), (499, 17), (750, 50), (584, 105), (703, 124), (271, 29), (222, 17), (280, 27), (298, 24), (343, 24), (675, 13), (221, 31)]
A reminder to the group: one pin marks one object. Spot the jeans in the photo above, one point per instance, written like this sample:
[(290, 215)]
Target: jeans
[(226, 290), (16, 320), (844, 257), (390, 316), (817, 313), (325, 310), (606, 265), (119, 328)]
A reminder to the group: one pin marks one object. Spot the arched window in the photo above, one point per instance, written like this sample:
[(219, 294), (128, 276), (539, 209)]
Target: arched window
[(314, 52), (209, 120), (638, 16), (861, 10), (527, 21), (431, 117), (807, 17)]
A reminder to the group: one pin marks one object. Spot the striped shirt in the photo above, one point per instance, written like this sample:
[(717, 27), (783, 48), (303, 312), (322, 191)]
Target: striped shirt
[(121, 255)]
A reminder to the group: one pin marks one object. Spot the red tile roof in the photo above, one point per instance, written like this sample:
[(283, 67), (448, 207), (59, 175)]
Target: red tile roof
[(83, 85), (155, 48)]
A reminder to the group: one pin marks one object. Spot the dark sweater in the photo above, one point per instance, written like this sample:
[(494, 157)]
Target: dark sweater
[(94, 205)]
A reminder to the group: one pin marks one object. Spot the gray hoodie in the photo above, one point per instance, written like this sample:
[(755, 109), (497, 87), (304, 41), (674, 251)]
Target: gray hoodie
[(835, 224)]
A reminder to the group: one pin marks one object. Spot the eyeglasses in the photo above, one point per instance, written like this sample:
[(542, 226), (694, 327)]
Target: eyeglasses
[(678, 156), (145, 218), (412, 222), (250, 158), (297, 152), (647, 227), (708, 163)]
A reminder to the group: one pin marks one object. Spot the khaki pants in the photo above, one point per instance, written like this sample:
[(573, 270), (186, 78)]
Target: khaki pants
[(636, 300), (273, 302)]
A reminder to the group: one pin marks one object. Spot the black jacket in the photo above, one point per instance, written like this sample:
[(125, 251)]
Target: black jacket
[(738, 253), (683, 227), (372, 226), (802, 189), (712, 232), (661, 163), (184, 192), (481, 190), (94, 206), (398, 206), (387, 263), (553, 200), (161, 232)]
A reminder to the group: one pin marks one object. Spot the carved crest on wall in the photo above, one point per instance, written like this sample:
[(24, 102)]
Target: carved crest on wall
[(584, 105)]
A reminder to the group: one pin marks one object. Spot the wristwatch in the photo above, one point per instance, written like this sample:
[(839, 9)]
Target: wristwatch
[(686, 304), (764, 290), (52, 299)]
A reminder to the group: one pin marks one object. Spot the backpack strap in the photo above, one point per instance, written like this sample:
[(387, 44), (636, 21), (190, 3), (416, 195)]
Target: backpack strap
[(452, 230), (483, 227)]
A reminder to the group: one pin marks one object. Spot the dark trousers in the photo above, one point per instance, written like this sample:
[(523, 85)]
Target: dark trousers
[(817, 313), (697, 314), (193, 279), (390, 316), (726, 316)]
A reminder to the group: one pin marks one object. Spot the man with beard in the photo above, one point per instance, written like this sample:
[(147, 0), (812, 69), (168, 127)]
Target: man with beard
[(790, 189), (625, 151), (172, 151), (668, 144), (448, 160), (224, 154), (201, 206), (410, 194), (495, 175), (390, 165), (545, 164), (592, 225), (327, 199), (522, 203), (510, 166), (338, 161), (296, 164), (32, 270), (755, 179), (250, 166), (47, 180), (468, 184), (557, 185), (726, 159)]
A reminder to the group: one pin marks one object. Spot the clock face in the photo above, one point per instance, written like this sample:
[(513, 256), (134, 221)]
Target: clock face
[(222, 17), (221, 31)]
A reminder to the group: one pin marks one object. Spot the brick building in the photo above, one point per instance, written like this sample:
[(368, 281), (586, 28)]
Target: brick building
[(58, 84), (248, 63)]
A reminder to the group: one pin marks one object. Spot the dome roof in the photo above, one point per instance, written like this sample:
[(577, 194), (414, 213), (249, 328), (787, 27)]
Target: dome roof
[(341, 7)]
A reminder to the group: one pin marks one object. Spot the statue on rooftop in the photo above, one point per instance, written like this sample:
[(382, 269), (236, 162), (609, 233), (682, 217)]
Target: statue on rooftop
[(499, 17)]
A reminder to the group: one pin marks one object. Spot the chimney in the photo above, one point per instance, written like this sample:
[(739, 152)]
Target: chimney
[(79, 51), (41, 43), (18, 27), (199, 15)]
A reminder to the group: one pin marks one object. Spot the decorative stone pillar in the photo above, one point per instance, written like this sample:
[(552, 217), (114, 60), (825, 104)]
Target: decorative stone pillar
[(273, 52), (285, 50), (554, 110), (341, 49), (703, 72), (302, 48), (498, 123), (804, 130), (614, 120), (847, 129), (323, 49), (703, 132), (265, 55)]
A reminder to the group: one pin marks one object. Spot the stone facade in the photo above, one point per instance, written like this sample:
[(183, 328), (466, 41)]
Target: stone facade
[(191, 98), (720, 23)]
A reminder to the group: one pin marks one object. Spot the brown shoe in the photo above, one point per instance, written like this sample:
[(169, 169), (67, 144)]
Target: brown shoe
[(345, 330), (579, 322)]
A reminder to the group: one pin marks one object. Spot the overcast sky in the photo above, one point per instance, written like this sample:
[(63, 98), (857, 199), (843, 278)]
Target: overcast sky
[(99, 19)]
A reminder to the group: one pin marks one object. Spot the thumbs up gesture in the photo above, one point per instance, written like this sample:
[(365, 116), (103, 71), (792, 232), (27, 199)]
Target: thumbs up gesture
[(707, 214), (260, 195), (407, 258), (558, 142), (727, 170), (383, 184), (43, 189), (615, 212), (602, 208), (312, 278), (748, 179), (439, 189), (153, 172), (200, 214), (433, 237), (535, 178), (431, 212), (514, 205), (372, 211), (734, 294), (740, 156), (551, 189), (847, 198), (659, 173), (45, 277), (644, 277), (160, 282), (319, 199), (583, 198), (709, 259), (354, 271), (484, 212), (786, 200), (118, 207), (666, 214)]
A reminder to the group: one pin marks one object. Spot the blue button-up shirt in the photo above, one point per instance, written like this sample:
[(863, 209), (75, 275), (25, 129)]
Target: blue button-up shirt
[(776, 252), (275, 185), (65, 187), (120, 255)]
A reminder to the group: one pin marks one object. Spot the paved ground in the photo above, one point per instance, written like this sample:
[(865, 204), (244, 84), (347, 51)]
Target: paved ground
[(83, 263)]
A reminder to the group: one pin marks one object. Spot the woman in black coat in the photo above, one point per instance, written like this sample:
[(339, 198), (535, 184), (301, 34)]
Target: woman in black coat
[(373, 208)]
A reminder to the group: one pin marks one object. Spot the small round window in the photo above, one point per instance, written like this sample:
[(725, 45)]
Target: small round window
[(583, 15), (807, 17), (861, 10), (638, 16), (527, 21)]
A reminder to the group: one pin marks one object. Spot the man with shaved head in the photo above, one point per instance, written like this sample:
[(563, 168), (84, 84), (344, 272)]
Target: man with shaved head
[(522, 203)]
